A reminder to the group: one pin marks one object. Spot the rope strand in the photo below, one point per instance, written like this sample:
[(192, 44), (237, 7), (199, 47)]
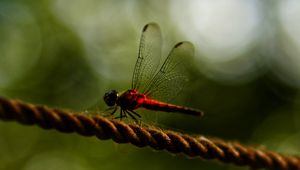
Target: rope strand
[(120, 132)]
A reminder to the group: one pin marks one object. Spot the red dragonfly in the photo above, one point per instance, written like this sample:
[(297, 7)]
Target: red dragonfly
[(149, 85)]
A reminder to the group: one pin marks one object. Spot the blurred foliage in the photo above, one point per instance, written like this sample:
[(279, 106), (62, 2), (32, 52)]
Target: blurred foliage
[(65, 54)]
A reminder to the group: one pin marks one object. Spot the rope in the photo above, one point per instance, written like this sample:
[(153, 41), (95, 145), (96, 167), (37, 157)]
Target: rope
[(120, 132)]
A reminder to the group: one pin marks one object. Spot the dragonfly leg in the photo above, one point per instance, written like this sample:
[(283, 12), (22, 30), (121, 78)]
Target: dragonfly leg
[(122, 114), (135, 113), (114, 109), (134, 118), (108, 111)]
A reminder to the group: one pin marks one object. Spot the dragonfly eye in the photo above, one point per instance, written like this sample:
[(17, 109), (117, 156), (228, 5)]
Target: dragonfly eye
[(110, 97)]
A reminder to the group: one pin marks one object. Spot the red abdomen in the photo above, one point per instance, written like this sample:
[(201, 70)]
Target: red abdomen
[(160, 106)]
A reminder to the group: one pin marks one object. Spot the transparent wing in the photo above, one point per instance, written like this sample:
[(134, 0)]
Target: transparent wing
[(148, 56), (171, 77)]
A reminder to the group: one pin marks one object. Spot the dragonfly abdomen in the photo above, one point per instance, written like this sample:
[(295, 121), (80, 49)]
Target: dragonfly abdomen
[(160, 106)]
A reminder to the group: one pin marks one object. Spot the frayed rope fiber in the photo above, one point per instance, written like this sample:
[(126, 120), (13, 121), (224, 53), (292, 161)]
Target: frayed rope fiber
[(120, 132)]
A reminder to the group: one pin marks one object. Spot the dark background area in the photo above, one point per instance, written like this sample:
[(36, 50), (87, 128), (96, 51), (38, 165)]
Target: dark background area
[(66, 54)]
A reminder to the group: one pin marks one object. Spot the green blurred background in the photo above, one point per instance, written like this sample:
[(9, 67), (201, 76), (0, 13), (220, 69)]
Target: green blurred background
[(66, 54)]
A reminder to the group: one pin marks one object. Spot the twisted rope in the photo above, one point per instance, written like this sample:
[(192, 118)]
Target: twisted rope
[(120, 132)]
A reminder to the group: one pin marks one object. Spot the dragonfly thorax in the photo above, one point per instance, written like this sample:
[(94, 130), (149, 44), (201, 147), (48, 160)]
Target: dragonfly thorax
[(130, 100)]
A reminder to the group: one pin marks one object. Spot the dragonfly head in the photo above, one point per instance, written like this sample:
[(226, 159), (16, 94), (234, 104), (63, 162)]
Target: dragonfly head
[(110, 97)]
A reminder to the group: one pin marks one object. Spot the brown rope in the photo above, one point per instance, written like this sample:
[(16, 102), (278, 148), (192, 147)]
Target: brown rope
[(120, 132)]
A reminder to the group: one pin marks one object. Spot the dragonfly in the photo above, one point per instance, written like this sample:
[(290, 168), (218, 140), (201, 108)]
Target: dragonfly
[(152, 84)]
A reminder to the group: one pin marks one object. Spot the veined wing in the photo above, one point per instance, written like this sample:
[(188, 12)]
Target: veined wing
[(171, 77), (148, 56)]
